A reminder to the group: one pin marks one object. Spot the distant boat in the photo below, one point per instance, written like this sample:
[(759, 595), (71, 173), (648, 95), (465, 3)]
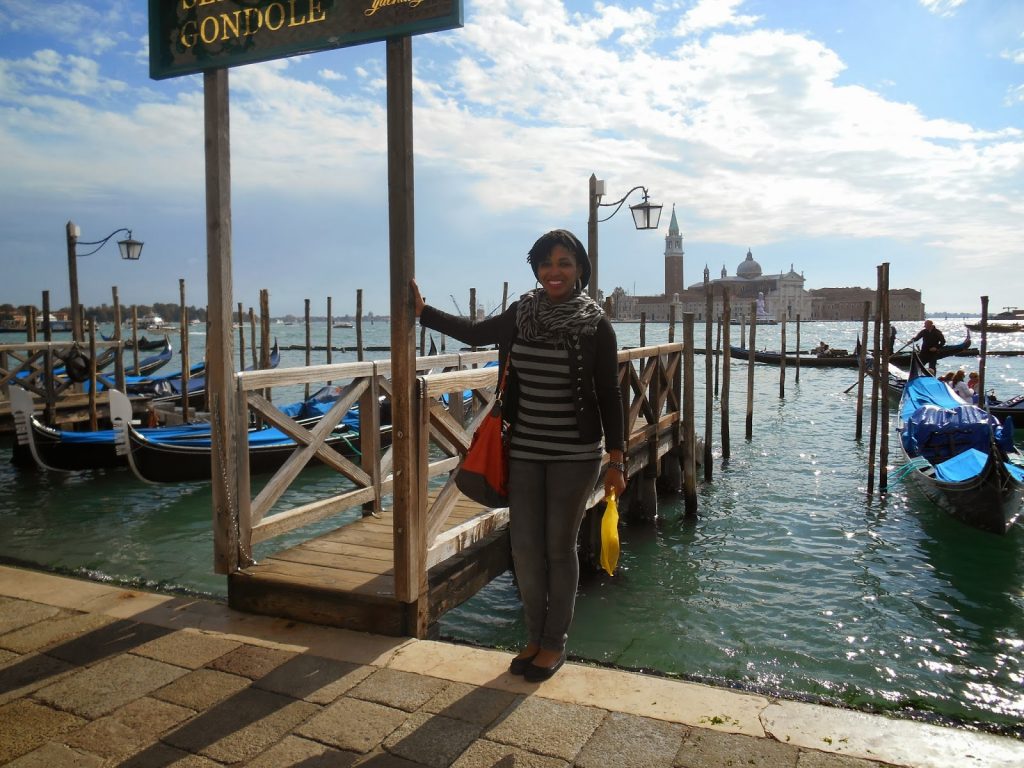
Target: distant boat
[(343, 324), (1010, 313), (997, 327)]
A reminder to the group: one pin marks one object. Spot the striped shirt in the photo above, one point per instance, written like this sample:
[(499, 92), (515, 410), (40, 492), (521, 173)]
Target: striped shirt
[(546, 427)]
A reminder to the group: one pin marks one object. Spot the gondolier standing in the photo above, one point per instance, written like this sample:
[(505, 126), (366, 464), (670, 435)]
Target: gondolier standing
[(932, 341)]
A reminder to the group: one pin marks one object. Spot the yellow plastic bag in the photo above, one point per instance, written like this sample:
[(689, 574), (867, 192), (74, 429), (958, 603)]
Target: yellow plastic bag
[(610, 535)]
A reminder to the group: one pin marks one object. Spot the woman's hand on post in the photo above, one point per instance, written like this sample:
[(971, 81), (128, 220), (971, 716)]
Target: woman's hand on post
[(417, 300)]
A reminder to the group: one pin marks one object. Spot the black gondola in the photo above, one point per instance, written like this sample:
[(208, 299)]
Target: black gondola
[(832, 360)]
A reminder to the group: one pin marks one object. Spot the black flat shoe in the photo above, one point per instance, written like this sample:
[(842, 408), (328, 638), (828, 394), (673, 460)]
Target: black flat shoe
[(519, 666), (535, 674)]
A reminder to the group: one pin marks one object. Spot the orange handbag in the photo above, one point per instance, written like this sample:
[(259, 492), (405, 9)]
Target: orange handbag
[(483, 474)]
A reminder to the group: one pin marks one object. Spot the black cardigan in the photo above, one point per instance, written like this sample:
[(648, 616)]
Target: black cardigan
[(593, 367)]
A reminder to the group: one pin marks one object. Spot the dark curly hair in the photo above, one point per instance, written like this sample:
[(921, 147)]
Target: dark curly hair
[(546, 243)]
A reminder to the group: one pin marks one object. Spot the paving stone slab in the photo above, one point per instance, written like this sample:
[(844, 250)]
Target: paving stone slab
[(7, 656), (57, 629), (240, 728), (473, 705), (314, 678), (433, 740), (29, 673), (490, 754), (252, 661), (295, 751), (164, 756), (99, 690), (15, 614), (547, 727), (186, 648), (54, 755), (813, 759), (710, 749), (381, 759), (26, 725), (202, 688), (401, 690), (129, 729), (628, 741), (353, 724), (116, 637)]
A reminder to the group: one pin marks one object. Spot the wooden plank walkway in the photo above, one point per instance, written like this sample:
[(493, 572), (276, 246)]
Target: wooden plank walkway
[(345, 578)]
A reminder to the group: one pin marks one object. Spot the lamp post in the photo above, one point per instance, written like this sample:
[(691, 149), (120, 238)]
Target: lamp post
[(131, 250), (646, 215)]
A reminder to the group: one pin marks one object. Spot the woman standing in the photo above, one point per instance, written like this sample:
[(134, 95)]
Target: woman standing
[(562, 389)]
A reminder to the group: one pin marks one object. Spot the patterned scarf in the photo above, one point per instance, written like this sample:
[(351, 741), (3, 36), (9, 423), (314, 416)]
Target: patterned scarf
[(540, 320)]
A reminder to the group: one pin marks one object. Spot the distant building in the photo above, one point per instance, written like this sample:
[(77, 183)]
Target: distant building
[(782, 295)]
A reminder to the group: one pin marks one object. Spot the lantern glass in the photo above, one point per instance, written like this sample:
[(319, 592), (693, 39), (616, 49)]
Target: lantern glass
[(646, 215), (131, 249)]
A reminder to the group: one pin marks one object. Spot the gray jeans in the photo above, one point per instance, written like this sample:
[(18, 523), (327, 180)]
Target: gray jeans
[(547, 500)]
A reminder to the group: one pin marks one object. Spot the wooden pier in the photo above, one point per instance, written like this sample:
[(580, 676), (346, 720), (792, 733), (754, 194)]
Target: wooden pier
[(397, 571)]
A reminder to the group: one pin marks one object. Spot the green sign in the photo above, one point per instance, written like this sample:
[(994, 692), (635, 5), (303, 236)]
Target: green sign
[(188, 36)]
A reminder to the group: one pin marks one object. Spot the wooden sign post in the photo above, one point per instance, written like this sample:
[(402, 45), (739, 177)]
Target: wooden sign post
[(189, 36)]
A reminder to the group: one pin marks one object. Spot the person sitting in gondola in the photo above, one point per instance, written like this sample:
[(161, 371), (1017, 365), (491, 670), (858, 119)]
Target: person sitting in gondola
[(821, 348), (972, 381), (932, 341), (961, 387)]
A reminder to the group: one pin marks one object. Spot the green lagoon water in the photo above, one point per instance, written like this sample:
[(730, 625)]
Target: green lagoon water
[(789, 580)]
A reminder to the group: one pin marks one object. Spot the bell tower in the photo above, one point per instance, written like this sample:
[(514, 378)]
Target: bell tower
[(673, 258)]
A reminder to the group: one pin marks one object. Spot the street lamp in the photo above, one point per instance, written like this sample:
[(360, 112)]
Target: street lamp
[(646, 215), (130, 248)]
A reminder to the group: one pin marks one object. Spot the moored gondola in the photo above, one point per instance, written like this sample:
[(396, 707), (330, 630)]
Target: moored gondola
[(960, 457)]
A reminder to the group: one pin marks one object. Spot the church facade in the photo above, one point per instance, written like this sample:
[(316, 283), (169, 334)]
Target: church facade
[(769, 297)]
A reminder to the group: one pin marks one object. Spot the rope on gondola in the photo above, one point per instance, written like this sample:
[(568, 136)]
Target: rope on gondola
[(916, 463)]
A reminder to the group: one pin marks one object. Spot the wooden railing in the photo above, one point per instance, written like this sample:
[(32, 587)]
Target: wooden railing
[(26, 364), (649, 379)]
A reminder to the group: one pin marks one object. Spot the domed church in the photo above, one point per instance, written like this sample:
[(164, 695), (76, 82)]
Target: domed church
[(777, 297)]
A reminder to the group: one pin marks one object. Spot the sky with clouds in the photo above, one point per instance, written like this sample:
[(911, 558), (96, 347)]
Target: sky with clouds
[(830, 136)]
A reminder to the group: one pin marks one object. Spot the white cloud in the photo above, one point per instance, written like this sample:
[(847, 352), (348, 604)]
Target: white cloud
[(713, 14), (942, 7), (750, 131)]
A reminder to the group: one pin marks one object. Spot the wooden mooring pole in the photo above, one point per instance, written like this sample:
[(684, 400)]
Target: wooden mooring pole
[(796, 375), (359, 324), (309, 342), (183, 337), (750, 372), (863, 370), (782, 361), (330, 328), (883, 445), (709, 308), (983, 350), (119, 373), (93, 416), (689, 429), (726, 365), (241, 334), (875, 385)]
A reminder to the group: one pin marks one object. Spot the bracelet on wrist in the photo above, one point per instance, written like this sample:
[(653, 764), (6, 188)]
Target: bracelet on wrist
[(621, 466)]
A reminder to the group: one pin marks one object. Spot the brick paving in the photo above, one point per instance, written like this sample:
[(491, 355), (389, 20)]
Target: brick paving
[(128, 679)]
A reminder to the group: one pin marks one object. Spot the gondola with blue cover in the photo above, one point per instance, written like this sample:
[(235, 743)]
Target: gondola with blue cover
[(960, 457)]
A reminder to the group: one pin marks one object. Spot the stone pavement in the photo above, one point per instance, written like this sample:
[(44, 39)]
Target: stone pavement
[(94, 675)]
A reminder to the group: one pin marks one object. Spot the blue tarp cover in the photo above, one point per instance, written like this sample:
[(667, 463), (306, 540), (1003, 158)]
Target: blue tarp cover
[(940, 433), (967, 465)]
